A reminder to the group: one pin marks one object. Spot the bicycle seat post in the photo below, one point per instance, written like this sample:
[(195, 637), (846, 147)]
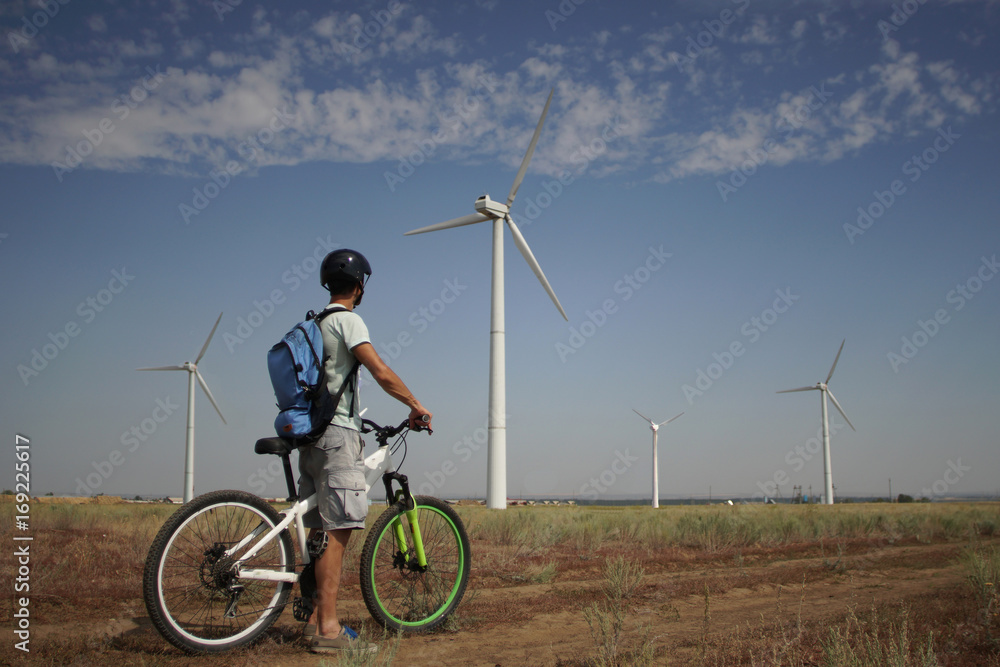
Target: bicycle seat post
[(283, 448), (293, 496)]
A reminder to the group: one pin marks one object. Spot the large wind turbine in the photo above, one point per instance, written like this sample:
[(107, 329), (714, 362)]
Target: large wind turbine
[(192, 368), (654, 427), (824, 389), (487, 209)]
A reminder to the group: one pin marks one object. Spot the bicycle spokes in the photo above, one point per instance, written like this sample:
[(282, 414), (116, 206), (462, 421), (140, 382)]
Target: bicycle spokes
[(416, 565)]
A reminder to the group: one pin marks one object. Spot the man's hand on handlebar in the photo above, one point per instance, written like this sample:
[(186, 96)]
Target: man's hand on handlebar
[(420, 418)]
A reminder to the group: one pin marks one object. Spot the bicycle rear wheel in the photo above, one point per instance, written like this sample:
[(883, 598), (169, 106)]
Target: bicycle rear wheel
[(399, 593), (192, 593)]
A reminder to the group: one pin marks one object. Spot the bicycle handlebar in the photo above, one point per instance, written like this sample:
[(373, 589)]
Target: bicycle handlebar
[(383, 433)]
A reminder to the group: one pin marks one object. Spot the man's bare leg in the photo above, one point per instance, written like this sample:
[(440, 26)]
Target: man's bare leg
[(328, 570)]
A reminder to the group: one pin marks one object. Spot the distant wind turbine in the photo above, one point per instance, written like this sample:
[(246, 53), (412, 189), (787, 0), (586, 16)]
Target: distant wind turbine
[(654, 427), (487, 209), (192, 368), (824, 390)]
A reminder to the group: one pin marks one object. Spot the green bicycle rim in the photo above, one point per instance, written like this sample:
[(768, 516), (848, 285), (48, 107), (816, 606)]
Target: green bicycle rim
[(450, 600)]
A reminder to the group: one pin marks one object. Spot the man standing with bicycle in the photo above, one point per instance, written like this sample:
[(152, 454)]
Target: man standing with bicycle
[(333, 468)]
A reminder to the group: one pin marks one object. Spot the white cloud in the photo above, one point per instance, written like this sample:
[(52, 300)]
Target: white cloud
[(799, 29), (360, 96), (761, 31), (97, 23)]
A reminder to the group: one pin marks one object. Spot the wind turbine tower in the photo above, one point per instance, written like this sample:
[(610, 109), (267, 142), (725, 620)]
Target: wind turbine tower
[(192, 369), (499, 213), (654, 427), (824, 390)]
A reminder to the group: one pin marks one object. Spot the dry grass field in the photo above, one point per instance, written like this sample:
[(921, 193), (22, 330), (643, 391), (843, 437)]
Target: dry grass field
[(790, 585)]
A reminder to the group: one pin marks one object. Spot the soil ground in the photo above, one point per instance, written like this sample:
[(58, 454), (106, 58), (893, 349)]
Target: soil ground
[(690, 608)]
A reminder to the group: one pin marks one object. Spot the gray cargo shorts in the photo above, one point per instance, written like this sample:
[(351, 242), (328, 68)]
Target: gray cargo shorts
[(333, 469)]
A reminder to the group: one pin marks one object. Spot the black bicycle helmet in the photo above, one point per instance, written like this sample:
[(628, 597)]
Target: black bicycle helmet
[(344, 263)]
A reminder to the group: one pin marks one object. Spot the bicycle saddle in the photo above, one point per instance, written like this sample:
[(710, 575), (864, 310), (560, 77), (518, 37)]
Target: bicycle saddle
[(279, 446)]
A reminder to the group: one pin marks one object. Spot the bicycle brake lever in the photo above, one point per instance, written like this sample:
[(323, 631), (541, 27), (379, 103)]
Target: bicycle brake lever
[(424, 419)]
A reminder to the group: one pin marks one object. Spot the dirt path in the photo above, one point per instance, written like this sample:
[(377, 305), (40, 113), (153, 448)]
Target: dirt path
[(547, 638), (543, 624)]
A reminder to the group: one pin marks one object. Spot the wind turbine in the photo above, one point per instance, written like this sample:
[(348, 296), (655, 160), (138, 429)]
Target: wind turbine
[(192, 369), (824, 389), (499, 213), (654, 427)]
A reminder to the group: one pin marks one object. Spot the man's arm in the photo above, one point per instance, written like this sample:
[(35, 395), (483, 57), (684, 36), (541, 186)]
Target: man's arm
[(390, 382)]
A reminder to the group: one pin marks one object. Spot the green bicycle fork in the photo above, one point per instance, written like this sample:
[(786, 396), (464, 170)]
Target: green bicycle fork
[(418, 542)]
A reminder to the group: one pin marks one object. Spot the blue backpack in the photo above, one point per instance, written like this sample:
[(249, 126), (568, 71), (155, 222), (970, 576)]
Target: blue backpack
[(298, 375)]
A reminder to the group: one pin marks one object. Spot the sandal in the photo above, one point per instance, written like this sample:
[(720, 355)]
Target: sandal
[(347, 640)]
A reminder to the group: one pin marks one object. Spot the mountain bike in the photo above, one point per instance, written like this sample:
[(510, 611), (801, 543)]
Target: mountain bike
[(220, 570)]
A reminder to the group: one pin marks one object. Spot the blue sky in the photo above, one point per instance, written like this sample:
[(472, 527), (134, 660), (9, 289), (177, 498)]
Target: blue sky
[(721, 194)]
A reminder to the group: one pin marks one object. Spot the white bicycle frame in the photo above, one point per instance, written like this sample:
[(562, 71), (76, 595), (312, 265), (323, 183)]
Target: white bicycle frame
[(375, 466)]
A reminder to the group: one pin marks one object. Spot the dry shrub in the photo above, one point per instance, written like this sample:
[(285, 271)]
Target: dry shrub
[(606, 618), (881, 638)]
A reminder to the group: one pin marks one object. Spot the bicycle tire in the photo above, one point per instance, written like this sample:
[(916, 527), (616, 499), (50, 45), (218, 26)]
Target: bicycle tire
[(187, 586), (400, 596)]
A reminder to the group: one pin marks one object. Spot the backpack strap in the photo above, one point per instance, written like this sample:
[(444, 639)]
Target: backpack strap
[(352, 379), (352, 375)]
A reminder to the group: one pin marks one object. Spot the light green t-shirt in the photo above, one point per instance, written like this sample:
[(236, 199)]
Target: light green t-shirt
[(342, 332)]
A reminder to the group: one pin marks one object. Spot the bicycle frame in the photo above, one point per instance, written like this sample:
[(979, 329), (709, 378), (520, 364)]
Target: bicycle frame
[(377, 465)]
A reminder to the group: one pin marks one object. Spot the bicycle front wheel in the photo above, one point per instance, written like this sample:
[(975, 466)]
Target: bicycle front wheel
[(192, 592), (402, 594)]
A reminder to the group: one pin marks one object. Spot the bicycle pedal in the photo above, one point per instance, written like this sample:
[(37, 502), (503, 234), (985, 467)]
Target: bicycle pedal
[(302, 609), (317, 544)]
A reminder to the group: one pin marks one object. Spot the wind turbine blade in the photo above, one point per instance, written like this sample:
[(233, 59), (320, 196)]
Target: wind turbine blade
[(786, 391), (163, 368), (669, 420), (840, 409), (531, 151), (454, 222), (522, 245), (835, 361), (208, 340), (208, 393), (642, 415)]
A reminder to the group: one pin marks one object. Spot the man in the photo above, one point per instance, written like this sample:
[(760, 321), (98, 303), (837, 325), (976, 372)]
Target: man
[(333, 468)]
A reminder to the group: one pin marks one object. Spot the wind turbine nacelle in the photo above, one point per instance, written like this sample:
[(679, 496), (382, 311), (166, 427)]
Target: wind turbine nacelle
[(490, 208)]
